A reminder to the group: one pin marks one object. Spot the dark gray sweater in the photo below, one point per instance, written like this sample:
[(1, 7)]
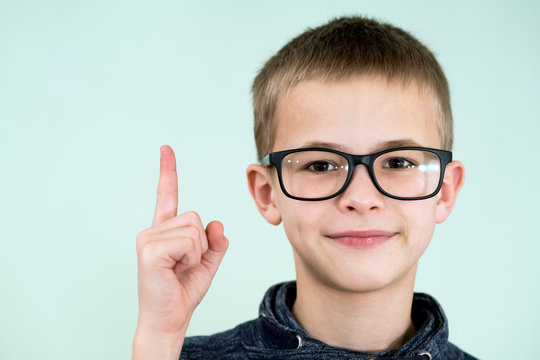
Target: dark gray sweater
[(276, 335)]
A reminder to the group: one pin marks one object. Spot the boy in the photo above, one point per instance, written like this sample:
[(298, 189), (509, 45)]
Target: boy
[(357, 224)]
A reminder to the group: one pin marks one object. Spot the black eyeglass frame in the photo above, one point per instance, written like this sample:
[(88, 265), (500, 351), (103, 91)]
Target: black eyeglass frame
[(276, 158)]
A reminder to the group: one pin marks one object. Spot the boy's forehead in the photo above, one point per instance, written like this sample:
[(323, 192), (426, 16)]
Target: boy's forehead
[(359, 115)]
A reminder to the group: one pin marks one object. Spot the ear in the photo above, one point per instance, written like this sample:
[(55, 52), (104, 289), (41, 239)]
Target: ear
[(262, 190), (453, 180)]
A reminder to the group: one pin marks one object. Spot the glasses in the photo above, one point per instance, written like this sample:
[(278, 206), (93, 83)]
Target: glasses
[(404, 173)]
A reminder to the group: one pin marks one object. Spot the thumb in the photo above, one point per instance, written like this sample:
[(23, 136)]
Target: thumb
[(217, 246)]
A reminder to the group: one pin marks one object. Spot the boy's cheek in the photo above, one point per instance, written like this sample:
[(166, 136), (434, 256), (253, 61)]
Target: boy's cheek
[(302, 220), (423, 222)]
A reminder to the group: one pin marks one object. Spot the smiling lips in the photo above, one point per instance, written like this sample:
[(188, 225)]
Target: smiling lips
[(362, 239)]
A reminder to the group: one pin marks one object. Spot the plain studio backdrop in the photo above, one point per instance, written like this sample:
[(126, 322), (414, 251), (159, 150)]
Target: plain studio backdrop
[(89, 91)]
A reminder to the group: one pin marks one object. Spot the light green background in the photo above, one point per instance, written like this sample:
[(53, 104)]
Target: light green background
[(89, 90)]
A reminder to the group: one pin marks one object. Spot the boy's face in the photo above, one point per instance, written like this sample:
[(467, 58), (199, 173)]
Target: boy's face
[(360, 116)]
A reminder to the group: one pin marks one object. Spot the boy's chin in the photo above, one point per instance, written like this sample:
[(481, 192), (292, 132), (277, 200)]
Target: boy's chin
[(360, 285), (360, 281)]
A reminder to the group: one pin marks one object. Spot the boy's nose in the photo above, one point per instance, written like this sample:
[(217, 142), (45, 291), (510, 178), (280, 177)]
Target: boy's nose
[(361, 194)]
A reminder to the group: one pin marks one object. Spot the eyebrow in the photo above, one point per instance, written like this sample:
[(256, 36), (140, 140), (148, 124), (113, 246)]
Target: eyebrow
[(383, 145)]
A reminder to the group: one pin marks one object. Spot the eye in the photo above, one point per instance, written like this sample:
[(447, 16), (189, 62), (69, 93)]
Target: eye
[(398, 163), (321, 166)]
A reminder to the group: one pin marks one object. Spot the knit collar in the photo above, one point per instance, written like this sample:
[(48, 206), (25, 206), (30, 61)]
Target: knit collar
[(280, 329)]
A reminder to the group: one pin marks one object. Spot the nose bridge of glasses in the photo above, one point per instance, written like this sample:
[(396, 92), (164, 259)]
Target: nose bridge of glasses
[(363, 177), (360, 160)]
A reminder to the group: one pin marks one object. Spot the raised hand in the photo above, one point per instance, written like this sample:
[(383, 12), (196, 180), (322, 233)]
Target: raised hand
[(177, 259)]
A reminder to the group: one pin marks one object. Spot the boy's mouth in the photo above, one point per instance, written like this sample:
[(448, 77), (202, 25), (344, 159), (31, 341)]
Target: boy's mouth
[(362, 239)]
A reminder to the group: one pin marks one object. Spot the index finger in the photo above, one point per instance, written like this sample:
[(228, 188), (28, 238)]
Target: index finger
[(167, 192)]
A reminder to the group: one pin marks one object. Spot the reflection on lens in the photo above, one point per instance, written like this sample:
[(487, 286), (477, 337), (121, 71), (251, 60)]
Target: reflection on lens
[(408, 173)]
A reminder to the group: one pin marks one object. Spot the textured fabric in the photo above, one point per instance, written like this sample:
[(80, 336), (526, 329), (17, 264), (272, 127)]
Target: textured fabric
[(277, 335)]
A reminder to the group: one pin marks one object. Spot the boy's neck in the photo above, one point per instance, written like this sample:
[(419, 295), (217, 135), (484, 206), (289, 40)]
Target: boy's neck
[(369, 321)]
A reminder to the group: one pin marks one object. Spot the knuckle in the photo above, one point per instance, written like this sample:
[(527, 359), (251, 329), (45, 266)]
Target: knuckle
[(192, 232), (190, 258), (204, 247), (149, 251), (192, 245), (192, 216), (204, 243), (197, 252), (140, 240)]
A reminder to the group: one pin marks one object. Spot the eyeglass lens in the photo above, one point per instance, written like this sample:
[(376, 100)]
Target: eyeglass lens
[(402, 173)]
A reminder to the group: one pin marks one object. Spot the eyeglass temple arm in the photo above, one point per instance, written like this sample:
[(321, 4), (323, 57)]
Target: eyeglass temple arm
[(265, 161)]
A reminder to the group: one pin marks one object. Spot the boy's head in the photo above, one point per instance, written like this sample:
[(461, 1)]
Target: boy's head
[(355, 86), (340, 50)]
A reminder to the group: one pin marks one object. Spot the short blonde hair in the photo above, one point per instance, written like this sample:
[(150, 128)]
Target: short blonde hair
[(344, 48)]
